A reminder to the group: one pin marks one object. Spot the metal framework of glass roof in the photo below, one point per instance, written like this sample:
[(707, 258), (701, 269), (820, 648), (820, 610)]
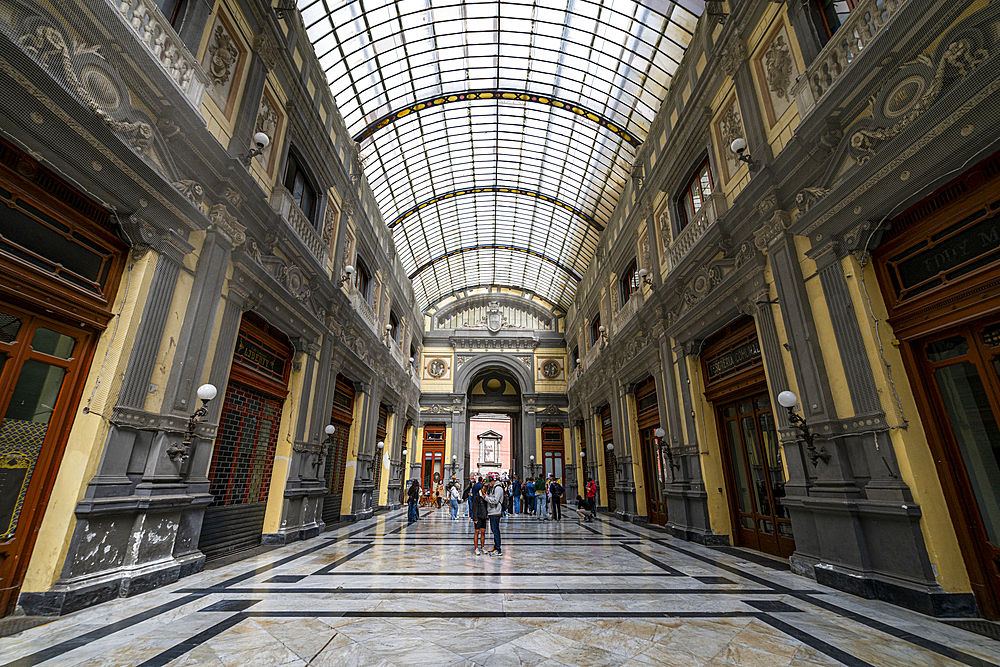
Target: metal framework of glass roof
[(497, 137)]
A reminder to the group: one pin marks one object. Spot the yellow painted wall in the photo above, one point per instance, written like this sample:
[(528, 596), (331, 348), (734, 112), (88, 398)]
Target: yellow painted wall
[(383, 487), (87, 433), (632, 424), (283, 452), (351, 468), (710, 452)]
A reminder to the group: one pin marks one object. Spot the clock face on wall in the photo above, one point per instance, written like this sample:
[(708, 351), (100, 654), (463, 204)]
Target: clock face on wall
[(550, 369), (437, 368)]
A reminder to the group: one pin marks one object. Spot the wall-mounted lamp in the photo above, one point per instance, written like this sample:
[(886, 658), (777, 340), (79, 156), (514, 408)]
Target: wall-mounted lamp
[(410, 367), (387, 336), (376, 459), (739, 147), (284, 6), (532, 464), (260, 142), (453, 464), (614, 459), (348, 272), (603, 331), (644, 276), (788, 400), (179, 452), (660, 436), (324, 446)]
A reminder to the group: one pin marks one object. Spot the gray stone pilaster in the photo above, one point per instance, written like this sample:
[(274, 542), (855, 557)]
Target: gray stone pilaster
[(807, 360), (246, 119), (860, 383)]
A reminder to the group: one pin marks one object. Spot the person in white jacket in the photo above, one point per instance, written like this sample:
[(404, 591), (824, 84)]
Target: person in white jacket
[(494, 505), (454, 496)]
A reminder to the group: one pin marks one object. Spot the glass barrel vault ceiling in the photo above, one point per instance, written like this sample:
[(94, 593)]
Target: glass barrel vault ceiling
[(498, 136)]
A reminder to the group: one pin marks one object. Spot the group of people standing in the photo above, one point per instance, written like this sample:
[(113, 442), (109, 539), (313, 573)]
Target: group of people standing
[(491, 499)]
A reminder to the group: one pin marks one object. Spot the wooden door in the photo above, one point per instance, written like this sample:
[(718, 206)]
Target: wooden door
[(553, 457), (755, 475), (40, 377), (342, 417), (654, 471), (962, 375), (432, 469), (607, 433)]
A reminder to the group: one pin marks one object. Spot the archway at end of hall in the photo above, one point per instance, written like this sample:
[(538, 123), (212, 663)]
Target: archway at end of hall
[(493, 421)]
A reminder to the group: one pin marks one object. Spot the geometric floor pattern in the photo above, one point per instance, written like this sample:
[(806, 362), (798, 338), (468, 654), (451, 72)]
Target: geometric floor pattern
[(382, 593)]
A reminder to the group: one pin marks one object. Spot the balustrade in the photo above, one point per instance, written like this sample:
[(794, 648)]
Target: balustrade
[(157, 35), (627, 311), (863, 24), (283, 203), (708, 214)]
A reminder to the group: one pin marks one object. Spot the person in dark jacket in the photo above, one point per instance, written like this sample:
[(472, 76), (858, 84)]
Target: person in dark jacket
[(480, 516), (529, 495), (515, 494), (413, 496), (584, 509), (555, 493)]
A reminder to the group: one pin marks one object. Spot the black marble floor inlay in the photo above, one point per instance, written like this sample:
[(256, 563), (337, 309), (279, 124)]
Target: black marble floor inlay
[(285, 579), (714, 580), (231, 605)]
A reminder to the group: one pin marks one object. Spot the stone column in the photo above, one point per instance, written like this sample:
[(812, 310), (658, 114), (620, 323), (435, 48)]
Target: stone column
[(459, 437)]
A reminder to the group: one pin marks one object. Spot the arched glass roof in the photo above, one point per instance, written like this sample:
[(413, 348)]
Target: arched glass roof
[(539, 104)]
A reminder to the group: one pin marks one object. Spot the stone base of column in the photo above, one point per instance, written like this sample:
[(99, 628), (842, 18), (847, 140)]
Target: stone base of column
[(81, 592), (872, 549), (688, 517)]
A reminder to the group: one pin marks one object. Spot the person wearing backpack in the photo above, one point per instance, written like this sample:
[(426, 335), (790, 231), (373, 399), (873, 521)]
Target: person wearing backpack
[(556, 491), (529, 496), (540, 498), (494, 503), (480, 515)]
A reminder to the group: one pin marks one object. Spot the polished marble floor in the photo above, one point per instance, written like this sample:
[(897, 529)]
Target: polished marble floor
[(383, 593)]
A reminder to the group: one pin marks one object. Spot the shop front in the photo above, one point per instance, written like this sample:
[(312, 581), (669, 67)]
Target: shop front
[(751, 451), (654, 468), (61, 262), (608, 448), (243, 454), (342, 418), (939, 272)]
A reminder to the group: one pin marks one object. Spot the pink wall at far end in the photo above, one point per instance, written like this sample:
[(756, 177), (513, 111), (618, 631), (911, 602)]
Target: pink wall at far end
[(501, 427)]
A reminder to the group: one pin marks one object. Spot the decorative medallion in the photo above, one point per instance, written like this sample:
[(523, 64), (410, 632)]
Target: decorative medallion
[(550, 369), (437, 368)]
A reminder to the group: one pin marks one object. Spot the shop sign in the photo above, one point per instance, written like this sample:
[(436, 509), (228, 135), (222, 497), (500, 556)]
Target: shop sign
[(736, 357)]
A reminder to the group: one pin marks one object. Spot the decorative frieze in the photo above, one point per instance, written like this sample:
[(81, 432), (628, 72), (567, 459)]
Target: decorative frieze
[(223, 63), (727, 127)]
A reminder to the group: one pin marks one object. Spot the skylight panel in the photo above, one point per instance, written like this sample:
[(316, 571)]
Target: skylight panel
[(612, 57)]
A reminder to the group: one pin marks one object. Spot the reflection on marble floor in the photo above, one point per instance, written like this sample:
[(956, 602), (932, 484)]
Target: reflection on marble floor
[(383, 593)]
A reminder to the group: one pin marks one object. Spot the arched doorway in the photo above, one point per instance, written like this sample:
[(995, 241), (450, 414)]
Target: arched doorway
[(493, 417)]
